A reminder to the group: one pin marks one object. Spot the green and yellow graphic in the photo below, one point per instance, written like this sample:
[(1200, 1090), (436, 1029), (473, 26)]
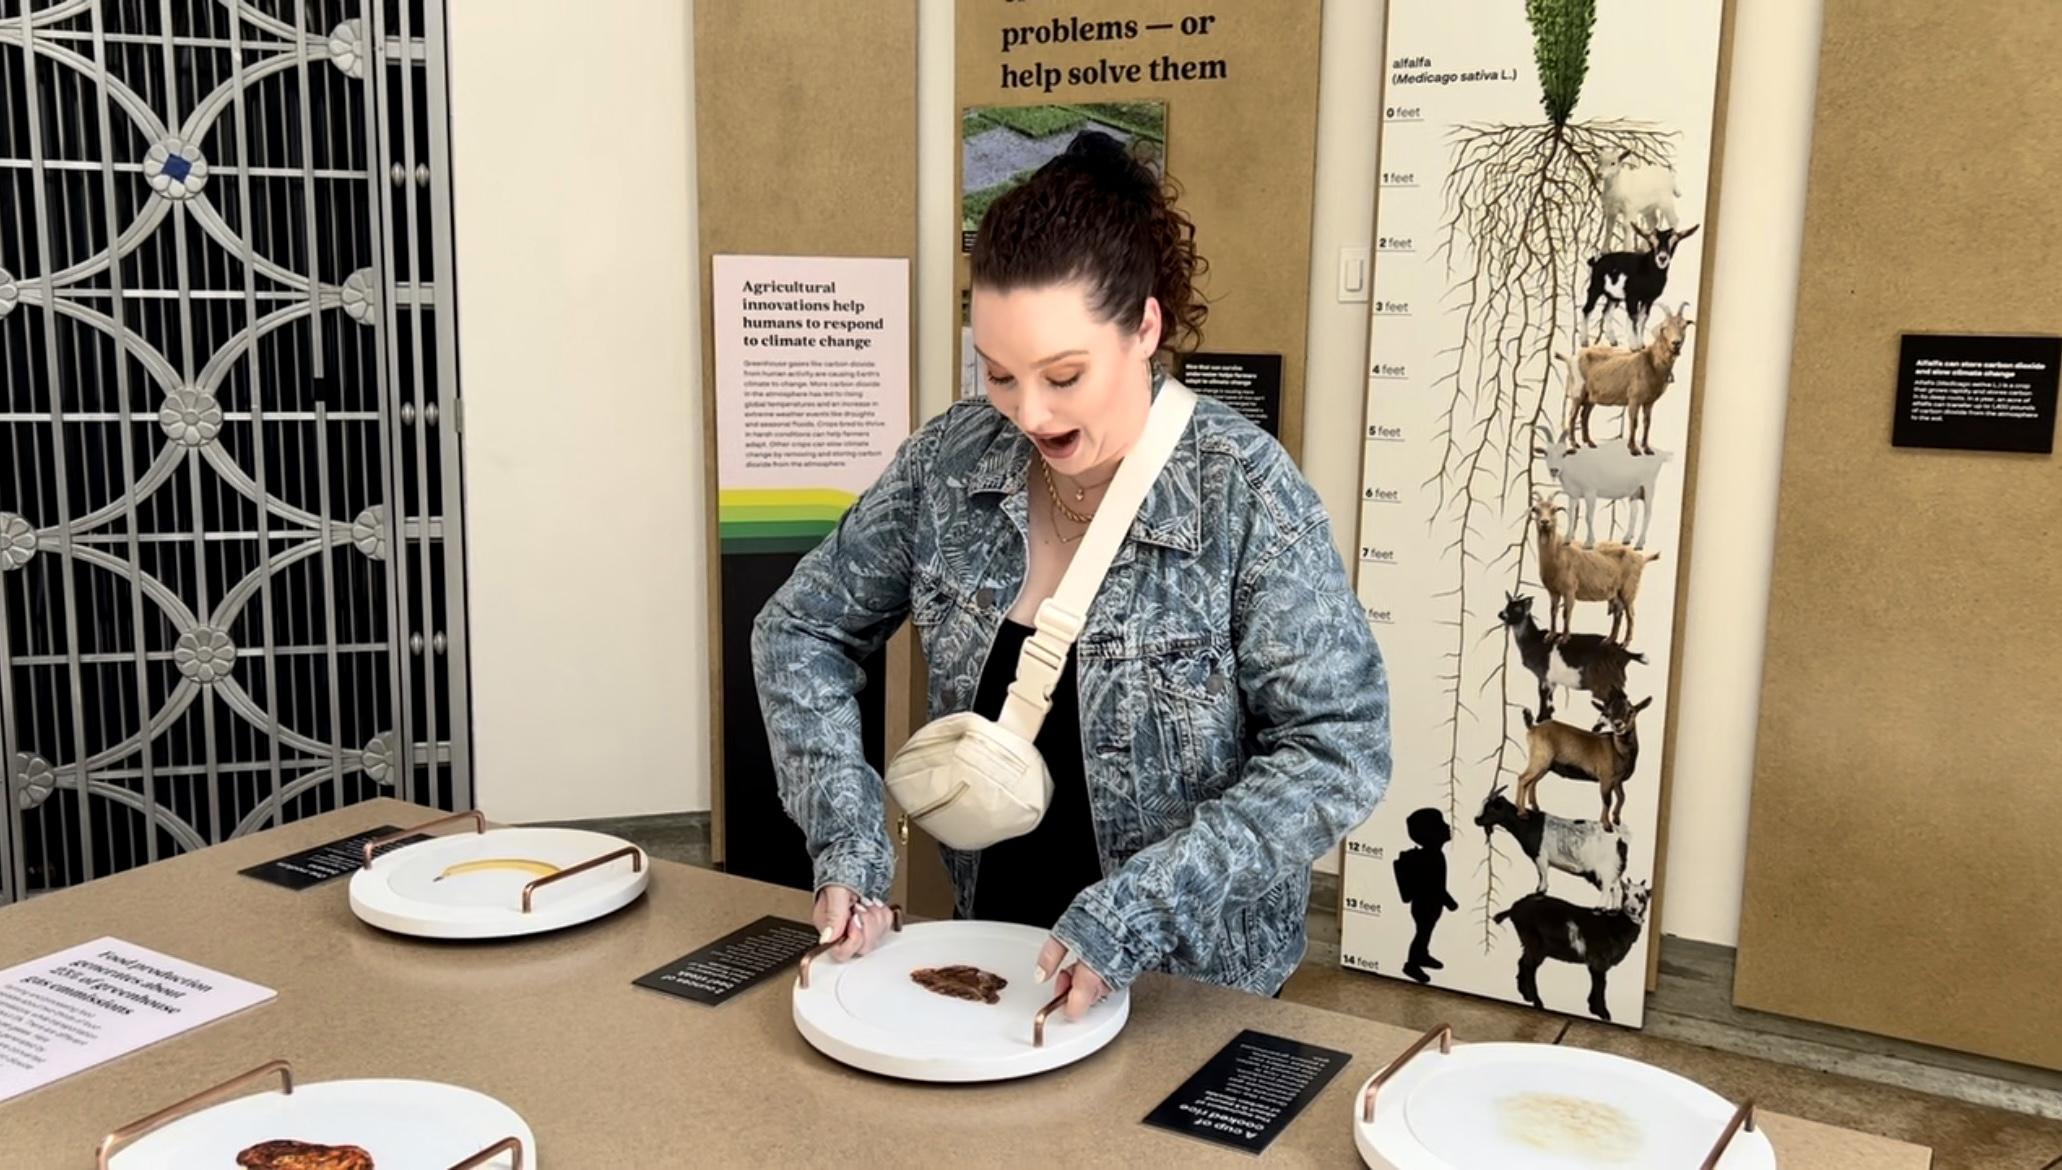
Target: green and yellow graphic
[(776, 520)]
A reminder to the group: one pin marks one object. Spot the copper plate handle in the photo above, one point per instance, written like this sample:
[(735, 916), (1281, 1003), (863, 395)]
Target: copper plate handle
[(632, 852), (1443, 1033), (478, 818), (821, 949), (1743, 1118), (1045, 1013), (506, 1145), (136, 1129)]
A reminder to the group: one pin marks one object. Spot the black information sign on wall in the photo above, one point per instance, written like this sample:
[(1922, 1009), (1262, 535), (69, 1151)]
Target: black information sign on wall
[(1976, 393), (312, 867), (1250, 383), (734, 962), (1250, 1091)]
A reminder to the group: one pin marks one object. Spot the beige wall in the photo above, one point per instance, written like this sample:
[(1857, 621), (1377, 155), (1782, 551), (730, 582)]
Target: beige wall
[(590, 697), (573, 179), (1746, 384)]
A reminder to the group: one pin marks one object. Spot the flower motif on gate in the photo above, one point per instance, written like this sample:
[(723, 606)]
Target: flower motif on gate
[(34, 780), (205, 655), (17, 541), (347, 47), (369, 532), (10, 293), (175, 169), (191, 417), (361, 300), (378, 760)]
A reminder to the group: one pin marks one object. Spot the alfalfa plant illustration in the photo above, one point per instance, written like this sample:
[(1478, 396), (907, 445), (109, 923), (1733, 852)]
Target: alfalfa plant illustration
[(1523, 213)]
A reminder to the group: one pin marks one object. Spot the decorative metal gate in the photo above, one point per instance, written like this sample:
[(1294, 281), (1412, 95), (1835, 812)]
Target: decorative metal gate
[(231, 588)]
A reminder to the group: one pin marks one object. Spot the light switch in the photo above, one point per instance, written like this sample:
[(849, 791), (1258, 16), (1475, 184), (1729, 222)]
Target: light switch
[(1353, 275)]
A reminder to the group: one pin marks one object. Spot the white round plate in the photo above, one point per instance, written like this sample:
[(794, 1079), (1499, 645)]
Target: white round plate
[(1544, 1107), (403, 1125), (470, 885), (870, 1014)]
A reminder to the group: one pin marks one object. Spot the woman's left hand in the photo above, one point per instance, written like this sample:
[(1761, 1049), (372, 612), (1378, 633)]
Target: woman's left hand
[(1082, 986)]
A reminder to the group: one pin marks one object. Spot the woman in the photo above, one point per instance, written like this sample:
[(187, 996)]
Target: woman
[(1222, 721)]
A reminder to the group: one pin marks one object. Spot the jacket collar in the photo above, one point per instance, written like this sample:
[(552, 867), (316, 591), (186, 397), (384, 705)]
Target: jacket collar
[(1171, 514)]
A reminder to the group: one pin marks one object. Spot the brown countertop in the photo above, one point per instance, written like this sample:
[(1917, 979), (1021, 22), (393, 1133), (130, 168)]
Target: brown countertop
[(611, 1075)]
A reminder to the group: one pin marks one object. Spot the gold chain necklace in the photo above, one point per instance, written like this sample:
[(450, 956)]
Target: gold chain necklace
[(1081, 490), (1061, 509)]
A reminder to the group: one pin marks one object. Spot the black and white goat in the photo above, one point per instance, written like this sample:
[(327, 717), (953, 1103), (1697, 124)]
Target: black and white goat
[(1583, 848), (1582, 662), (1632, 281), (1549, 928)]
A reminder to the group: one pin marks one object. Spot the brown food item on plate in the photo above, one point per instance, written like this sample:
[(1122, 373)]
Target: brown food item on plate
[(961, 982), (290, 1155)]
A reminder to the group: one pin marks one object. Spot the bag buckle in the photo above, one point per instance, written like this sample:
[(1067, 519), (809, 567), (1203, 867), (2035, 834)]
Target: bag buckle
[(1044, 654), (1057, 619)]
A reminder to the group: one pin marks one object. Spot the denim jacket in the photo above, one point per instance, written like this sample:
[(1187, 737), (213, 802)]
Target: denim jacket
[(1234, 707)]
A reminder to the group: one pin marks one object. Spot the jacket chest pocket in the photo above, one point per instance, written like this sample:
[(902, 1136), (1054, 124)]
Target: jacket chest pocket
[(1195, 707), (950, 628)]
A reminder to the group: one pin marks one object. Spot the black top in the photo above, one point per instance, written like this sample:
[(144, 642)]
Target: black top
[(1032, 879)]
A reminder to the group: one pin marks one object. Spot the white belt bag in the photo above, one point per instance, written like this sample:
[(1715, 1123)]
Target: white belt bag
[(970, 781)]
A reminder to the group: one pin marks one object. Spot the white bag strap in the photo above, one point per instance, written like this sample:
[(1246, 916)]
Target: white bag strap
[(1060, 616)]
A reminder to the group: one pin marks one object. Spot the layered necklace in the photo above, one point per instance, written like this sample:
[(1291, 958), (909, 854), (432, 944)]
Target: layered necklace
[(1060, 507)]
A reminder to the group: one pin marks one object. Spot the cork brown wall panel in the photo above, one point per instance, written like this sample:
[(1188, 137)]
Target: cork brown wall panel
[(805, 125), (1903, 874)]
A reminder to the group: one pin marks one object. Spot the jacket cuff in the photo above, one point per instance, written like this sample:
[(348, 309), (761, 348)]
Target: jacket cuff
[(1102, 940), (863, 866)]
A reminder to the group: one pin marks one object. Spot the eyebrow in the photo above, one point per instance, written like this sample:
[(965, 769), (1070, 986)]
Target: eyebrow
[(1040, 362)]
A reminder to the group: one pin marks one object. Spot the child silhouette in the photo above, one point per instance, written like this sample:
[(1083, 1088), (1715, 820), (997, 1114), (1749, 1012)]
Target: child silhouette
[(1421, 882)]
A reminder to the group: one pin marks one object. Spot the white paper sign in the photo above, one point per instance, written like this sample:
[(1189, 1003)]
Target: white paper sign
[(70, 1011), (812, 373)]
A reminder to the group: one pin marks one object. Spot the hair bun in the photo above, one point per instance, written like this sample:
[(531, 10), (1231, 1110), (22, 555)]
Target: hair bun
[(1102, 155), (1098, 212)]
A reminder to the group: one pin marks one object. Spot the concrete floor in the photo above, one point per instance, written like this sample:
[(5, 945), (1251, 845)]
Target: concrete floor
[(1946, 1101)]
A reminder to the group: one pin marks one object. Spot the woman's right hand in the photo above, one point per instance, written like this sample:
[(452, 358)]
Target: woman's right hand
[(855, 923)]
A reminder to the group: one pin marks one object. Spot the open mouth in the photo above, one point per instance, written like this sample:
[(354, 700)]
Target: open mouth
[(1056, 447)]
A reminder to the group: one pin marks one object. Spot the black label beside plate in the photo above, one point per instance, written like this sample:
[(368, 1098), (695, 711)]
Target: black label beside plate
[(734, 962), (312, 867), (1250, 1091)]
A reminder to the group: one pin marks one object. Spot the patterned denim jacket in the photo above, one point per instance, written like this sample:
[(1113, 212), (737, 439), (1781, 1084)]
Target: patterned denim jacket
[(1234, 707)]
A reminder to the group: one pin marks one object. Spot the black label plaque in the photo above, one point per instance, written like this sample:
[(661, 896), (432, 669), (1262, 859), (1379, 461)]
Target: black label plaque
[(1250, 1091), (1250, 383), (1975, 393), (312, 867), (734, 962)]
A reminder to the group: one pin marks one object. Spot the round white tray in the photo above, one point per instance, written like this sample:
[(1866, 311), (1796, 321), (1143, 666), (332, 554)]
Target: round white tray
[(869, 1013), (1544, 1107), (451, 887), (403, 1125)]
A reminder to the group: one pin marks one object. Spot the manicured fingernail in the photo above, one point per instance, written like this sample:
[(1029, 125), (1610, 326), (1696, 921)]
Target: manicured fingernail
[(1041, 972), (830, 934)]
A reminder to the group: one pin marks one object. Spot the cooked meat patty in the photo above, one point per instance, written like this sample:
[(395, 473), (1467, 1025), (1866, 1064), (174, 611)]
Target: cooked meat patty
[(961, 982), (286, 1155)]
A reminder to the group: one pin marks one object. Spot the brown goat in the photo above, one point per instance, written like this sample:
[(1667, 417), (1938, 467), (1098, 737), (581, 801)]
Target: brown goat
[(1605, 759), (1604, 375), (1609, 572)]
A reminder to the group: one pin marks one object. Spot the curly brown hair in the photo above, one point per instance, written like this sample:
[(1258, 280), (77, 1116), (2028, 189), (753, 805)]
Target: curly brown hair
[(1098, 215)]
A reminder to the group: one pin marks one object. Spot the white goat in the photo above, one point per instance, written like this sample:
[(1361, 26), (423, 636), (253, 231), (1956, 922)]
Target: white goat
[(1591, 474), (1637, 195)]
